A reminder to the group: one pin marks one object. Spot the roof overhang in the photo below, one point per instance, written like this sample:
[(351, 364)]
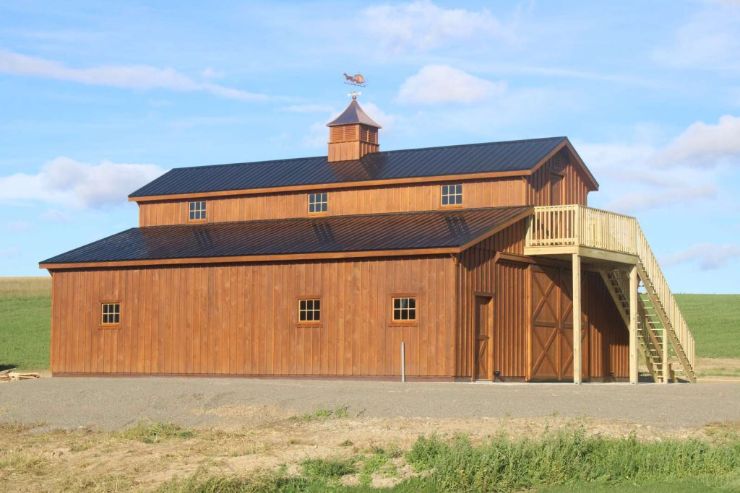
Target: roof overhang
[(333, 186), (293, 257)]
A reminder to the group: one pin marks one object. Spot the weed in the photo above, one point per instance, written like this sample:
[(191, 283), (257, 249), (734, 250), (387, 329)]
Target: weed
[(375, 464), (155, 432), (565, 457), (329, 469), (324, 414)]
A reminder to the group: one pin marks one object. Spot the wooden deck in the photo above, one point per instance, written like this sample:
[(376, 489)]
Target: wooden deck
[(616, 243)]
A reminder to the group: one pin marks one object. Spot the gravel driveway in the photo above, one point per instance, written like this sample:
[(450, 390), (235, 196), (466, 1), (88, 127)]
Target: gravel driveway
[(111, 403)]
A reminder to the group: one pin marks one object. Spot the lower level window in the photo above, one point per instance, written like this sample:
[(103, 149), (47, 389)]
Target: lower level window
[(111, 313), (309, 310), (404, 309)]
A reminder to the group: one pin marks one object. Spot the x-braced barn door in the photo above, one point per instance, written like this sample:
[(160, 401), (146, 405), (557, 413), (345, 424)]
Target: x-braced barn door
[(552, 325), (483, 337)]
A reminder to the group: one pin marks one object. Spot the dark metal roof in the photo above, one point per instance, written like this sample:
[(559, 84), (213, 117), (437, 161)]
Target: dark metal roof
[(519, 155), (353, 114), (358, 233)]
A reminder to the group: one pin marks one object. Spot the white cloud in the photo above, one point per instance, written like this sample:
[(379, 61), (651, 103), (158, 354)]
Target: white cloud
[(435, 84), (703, 144), (687, 169), (422, 25), (708, 41), (71, 183), (140, 77), (709, 256), (651, 199)]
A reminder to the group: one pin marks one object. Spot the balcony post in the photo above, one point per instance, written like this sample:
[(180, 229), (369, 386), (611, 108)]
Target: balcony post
[(633, 325), (577, 318)]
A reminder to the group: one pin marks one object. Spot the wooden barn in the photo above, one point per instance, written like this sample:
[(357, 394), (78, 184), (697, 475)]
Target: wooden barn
[(461, 263)]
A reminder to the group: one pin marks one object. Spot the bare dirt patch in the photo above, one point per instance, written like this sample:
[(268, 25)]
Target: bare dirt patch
[(718, 369)]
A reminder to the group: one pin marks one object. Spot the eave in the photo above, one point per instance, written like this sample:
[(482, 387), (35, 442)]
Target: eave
[(295, 257)]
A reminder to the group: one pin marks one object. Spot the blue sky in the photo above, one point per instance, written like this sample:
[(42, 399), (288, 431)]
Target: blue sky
[(99, 98)]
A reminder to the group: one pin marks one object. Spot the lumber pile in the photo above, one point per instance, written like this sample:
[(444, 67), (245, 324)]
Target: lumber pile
[(13, 376)]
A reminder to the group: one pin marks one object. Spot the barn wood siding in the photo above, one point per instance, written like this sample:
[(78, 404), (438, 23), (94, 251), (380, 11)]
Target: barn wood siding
[(478, 273), (398, 198), (605, 336), (609, 338), (575, 186), (242, 319)]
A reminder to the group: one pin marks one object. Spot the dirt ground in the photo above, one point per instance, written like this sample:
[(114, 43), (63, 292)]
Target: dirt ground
[(75, 433)]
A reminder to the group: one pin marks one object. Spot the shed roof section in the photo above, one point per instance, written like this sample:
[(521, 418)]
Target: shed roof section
[(357, 233), (510, 156)]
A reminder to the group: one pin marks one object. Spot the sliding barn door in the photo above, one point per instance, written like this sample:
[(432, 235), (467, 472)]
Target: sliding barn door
[(551, 328)]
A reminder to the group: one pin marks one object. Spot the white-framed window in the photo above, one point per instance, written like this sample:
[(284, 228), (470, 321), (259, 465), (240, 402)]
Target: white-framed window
[(452, 194), (317, 202), (309, 310), (404, 309), (197, 210), (110, 313)]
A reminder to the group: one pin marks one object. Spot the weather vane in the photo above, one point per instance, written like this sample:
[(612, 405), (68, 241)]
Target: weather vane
[(357, 80)]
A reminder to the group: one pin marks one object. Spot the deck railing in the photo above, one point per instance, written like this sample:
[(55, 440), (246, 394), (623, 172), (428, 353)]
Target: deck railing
[(575, 225)]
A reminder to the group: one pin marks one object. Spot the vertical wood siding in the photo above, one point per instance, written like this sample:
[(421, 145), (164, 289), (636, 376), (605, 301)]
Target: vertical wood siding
[(242, 319), (609, 338), (479, 193), (478, 273), (575, 187)]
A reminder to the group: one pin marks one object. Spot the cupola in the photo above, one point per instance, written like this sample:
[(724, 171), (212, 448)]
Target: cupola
[(352, 134)]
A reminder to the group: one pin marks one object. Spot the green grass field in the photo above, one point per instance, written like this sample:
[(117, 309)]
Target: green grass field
[(25, 307), (715, 322)]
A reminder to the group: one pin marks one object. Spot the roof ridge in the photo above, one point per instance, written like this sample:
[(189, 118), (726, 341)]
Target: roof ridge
[(391, 151)]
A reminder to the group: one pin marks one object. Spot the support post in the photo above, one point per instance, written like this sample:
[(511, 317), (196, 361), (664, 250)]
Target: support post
[(577, 318), (633, 325), (666, 368), (403, 362)]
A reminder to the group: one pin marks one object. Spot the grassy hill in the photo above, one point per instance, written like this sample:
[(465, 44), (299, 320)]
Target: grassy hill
[(25, 305)]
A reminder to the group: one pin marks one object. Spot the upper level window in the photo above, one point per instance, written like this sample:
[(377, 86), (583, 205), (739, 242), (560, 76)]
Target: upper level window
[(309, 310), (317, 202), (452, 194), (197, 210), (111, 313), (404, 309)]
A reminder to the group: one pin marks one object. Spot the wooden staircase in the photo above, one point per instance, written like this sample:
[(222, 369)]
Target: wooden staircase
[(651, 333), (665, 341)]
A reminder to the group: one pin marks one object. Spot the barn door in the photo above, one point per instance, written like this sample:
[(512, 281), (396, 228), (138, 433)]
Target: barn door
[(552, 326), (483, 350), (545, 325)]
